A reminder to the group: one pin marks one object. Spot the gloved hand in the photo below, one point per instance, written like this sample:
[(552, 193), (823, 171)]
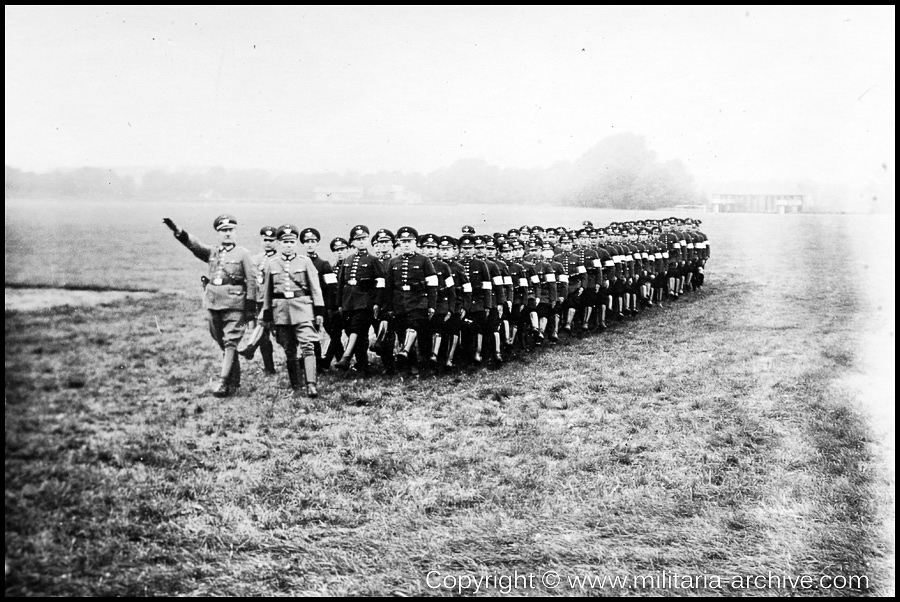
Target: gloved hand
[(171, 225)]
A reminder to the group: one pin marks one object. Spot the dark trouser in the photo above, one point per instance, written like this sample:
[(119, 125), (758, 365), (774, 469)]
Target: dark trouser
[(227, 327), (358, 322), (414, 321), (334, 326), (473, 325), (266, 349)]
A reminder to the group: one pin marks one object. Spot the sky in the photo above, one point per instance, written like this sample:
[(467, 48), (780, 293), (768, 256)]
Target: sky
[(735, 93)]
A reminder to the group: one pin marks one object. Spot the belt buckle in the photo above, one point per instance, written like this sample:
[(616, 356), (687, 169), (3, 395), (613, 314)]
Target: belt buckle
[(288, 294), (217, 281), (406, 287)]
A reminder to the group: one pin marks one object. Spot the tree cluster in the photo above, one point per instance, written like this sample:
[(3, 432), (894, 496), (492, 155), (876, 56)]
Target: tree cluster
[(619, 172)]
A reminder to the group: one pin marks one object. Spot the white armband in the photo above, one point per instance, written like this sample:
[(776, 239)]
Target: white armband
[(564, 278), (609, 263), (507, 281), (379, 283), (486, 285), (467, 287), (582, 269), (645, 255), (665, 255), (329, 278), (498, 280), (637, 256), (431, 280), (676, 245), (535, 278), (598, 262), (449, 281), (700, 245), (549, 277), (523, 281), (690, 245), (658, 255)]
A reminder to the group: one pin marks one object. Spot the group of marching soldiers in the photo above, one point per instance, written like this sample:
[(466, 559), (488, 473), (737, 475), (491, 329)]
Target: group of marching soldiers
[(435, 302)]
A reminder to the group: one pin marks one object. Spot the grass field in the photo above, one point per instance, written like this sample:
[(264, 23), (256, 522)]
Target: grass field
[(704, 443)]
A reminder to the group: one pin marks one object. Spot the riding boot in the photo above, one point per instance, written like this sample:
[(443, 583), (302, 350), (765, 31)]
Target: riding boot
[(451, 350), (497, 355), (479, 341), (344, 362), (293, 376), (310, 365), (223, 389), (266, 351), (408, 341), (234, 378), (435, 349)]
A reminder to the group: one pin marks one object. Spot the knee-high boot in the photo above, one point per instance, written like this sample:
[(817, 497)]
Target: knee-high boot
[(310, 365), (451, 350), (223, 389), (344, 362)]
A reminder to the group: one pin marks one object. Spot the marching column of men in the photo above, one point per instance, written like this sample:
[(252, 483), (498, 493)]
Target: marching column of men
[(430, 301)]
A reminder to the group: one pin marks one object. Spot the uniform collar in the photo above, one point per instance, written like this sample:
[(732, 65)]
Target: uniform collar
[(287, 257), (227, 247), (271, 252)]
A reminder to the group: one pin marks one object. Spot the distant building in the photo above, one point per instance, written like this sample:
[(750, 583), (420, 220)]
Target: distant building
[(338, 194), (393, 193), (758, 201), (381, 193)]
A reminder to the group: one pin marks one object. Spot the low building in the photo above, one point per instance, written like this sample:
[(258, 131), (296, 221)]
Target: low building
[(780, 201), (339, 194)]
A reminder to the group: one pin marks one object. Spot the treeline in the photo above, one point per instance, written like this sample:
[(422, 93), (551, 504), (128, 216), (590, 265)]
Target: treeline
[(618, 172)]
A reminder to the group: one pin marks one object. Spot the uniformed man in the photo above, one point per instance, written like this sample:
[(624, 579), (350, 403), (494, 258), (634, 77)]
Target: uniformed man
[(411, 286), (309, 238), (574, 280), (334, 323), (475, 322), (441, 325), (491, 332), (384, 243), (589, 260), (259, 260), (546, 296), (361, 283), (447, 250), (229, 296), (520, 287), (294, 303)]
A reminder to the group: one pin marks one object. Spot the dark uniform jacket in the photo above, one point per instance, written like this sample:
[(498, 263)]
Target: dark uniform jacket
[(497, 289), (521, 283), (480, 280), (586, 258), (573, 278), (446, 292), (462, 287), (361, 282), (327, 279), (232, 276), (412, 284)]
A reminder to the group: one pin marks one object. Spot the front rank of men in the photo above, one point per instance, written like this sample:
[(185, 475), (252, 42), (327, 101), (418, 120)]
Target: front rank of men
[(433, 301)]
